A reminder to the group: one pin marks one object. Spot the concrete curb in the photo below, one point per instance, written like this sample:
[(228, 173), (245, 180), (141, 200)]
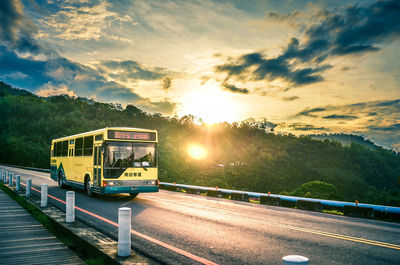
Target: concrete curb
[(105, 246)]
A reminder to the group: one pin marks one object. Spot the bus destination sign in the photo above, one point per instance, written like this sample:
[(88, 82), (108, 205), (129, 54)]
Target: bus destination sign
[(123, 135)]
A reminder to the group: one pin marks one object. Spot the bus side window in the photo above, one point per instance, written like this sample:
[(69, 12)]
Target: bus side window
[(64, 148), (88, 146), (79, 146), (53, 153), (59, 148)]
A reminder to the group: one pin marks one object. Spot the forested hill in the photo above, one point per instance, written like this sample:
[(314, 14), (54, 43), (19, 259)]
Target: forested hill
[(240, 156)]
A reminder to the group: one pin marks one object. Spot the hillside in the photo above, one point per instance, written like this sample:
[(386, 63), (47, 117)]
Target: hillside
[(344, 139), (240, 156)]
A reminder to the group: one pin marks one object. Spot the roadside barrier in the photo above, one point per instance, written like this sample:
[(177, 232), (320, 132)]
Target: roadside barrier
[(10, 179), (28, 188), (379, 211), (18, 183), (268, 200), (309, 205), (43, 195), (124, 231), (295, 260), (70, 207), (357, 211)]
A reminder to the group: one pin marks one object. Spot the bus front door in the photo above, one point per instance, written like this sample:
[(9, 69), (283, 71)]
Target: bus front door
[(97, 166)]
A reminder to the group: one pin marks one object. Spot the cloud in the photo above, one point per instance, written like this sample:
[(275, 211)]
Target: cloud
[(254, 67), (291, 98), (166, 83), (310, 112), (15, 75), (62, 76), (130, 70), (340, 117), (283, 17), (85, 21), (235, 89), (354, 30), (16, 31), (306, 127), (49, 89), (390, 128), (376, 120), (165, 106), (289, 19)]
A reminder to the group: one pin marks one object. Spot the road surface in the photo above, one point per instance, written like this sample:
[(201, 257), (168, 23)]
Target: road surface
[(231, 232)]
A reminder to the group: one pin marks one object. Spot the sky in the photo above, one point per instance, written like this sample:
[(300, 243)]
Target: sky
[(305, 66)]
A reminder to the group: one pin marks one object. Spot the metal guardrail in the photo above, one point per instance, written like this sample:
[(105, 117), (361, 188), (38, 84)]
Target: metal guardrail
[(28, 168), (293, 199), (378, 208)]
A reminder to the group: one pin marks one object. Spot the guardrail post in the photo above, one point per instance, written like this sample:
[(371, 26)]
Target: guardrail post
[(295, 260), (18, 183), (10, 179), (70, 207), (124, 231), (28, 188), (3, 177), (43, 195)]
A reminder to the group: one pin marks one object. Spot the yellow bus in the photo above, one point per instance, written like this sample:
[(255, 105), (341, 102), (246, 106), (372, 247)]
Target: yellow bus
[(108, 160)]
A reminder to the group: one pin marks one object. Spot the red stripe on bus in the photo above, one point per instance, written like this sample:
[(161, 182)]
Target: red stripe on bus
[(153, 240)]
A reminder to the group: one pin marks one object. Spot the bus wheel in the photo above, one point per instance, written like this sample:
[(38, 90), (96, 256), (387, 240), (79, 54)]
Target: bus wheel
[(60, 181), (88, 187), (133, 195)]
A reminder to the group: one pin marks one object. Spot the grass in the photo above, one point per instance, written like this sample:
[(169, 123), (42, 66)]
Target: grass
[(88, 253), (333, 212)]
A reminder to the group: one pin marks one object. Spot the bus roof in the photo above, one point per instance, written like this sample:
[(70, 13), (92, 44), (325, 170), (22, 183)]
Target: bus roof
[(104, 130)]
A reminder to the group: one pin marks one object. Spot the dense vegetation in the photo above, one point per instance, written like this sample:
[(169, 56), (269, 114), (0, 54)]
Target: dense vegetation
[(240, 155)]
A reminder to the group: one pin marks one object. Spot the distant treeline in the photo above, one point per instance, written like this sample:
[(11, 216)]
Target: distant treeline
[(240, 155)]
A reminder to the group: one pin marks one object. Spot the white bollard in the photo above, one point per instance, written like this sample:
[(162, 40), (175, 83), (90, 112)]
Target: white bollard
[(2, 176), (43, 195), (295, 260), (28, 188), (124, 231), (70, 207), (10, 179), (18, 183)]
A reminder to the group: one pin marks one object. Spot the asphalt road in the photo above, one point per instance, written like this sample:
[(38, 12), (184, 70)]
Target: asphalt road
[(231, 232)]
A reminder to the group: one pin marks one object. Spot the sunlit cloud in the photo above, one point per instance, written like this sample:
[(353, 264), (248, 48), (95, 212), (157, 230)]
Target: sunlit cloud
[(85, 22), (49, 89)]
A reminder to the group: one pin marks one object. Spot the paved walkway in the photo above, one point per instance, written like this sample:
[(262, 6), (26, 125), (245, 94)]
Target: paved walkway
[(23, 240)]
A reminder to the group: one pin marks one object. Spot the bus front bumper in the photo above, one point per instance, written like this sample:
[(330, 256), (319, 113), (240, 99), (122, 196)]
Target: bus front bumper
[(137, 189)]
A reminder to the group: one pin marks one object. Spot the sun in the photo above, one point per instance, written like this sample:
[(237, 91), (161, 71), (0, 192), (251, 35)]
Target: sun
[(196, 151), (211, 104)]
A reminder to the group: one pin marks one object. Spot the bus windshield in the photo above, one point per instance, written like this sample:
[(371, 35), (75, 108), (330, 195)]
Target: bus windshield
[(129, 154)]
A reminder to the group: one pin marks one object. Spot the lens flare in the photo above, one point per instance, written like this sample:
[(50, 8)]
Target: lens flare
[(196, 151)]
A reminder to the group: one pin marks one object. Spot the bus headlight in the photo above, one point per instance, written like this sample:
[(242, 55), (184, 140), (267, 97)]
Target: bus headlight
[(153, 182), (114, 183)]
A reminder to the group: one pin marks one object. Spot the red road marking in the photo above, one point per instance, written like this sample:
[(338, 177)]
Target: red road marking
[(153, 240)]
